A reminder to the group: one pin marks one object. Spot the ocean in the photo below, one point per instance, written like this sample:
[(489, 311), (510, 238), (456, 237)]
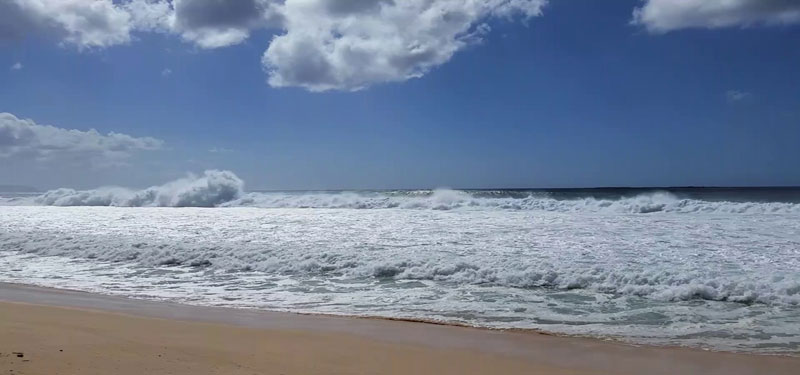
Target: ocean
[(717, 268)]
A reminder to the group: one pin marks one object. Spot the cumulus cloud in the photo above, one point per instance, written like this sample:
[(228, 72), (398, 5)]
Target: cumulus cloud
[(84, 23), (349, 45), (205, 23), (661, 16), (219, 23), (16, 66), (343, 44), (320, 44), (166, 72), (149, 15), (103, 23), (24, 138)]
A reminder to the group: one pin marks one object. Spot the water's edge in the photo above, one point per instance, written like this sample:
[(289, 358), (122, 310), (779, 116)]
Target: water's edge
[(135, 305)]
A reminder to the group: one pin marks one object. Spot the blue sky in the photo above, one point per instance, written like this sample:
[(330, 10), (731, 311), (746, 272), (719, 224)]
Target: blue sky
[(576, 96)]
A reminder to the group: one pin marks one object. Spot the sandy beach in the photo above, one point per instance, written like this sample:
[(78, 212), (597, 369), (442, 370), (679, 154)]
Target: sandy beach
[(194, 187), (48, 331)]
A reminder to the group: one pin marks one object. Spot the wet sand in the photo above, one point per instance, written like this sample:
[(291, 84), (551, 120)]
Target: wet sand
[(48, 331)]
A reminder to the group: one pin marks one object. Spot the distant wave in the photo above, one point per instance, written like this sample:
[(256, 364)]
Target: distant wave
[(455, 199), (216, 188)]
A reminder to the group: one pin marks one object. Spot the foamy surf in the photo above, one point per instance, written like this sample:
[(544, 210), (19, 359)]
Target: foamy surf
[(649, 267), (216, 188)]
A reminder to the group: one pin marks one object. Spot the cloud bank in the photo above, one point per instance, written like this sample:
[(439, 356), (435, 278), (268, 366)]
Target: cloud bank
[(660, 16), (345, 45), (24, 138), (319, 44)]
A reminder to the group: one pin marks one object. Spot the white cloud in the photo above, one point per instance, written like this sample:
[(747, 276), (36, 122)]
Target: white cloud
[(205, 23), (321, 44), (219, 150), (24, 138), (349, 45), (149, 15), (737, 95), (214, 23), (661, 16), (83, 23), (343, 44), (103, 23), (166, 72), (16, 66)]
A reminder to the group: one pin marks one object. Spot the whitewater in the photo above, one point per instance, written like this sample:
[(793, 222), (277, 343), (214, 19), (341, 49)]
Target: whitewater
[(664, 267)]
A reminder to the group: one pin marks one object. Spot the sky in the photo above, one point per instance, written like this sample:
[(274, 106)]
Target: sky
[(377, 94)]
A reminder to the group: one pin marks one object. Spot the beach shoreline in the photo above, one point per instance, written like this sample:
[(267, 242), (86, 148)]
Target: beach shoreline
[(102, 332)]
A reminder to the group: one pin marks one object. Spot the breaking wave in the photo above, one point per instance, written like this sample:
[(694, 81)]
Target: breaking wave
[(216, 188), (208, 190)]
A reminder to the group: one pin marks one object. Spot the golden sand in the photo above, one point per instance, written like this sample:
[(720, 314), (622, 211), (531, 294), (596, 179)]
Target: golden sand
[(110, 335)]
